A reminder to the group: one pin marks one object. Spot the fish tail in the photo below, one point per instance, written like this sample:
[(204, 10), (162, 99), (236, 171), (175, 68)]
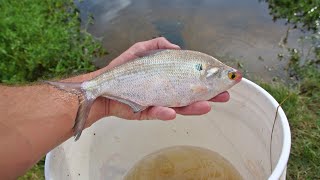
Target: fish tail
[(82, 116), (85, 104)]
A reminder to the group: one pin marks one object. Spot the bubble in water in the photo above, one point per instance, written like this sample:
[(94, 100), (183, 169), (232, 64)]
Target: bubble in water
[(183, 162)]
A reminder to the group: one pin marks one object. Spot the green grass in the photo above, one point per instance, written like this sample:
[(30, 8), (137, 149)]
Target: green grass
[(301, 13), (303, 106), (43, 39), (36, 173), (303, 111)]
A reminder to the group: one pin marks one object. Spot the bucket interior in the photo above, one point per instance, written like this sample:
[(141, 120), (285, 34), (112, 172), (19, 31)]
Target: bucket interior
[(239, 130)]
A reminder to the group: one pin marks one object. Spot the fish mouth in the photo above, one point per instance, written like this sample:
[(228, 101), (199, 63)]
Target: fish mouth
[(238, 76)]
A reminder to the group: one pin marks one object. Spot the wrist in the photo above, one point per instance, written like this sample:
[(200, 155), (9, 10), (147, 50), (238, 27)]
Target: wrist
[(100, 106)]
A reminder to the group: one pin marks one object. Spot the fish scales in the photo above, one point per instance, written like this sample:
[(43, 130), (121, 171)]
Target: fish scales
[(137, 82), (174, 78)]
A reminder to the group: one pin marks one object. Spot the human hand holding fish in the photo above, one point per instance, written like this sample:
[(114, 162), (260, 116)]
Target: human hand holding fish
[(116, 108), (125, 80)]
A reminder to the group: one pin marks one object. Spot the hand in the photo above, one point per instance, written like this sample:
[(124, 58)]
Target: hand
[(115, 108)]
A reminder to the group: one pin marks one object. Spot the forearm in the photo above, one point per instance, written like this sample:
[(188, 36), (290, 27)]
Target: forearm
[(34, 120)]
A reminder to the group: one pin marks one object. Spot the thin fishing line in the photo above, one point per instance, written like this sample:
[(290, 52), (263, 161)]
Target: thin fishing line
[(274, 122)]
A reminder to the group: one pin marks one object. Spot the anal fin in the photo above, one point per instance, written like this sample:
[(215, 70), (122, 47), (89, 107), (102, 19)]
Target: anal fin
[(134, 106)]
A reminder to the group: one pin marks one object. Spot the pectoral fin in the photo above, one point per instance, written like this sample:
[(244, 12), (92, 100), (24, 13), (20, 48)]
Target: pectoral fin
[(197, 88), (134, 106)]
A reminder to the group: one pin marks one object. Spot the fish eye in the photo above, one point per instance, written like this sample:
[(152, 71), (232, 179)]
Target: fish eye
[(232, 75), (199, 67)]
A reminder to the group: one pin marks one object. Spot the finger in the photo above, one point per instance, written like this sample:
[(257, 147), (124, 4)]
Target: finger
[(141, 47), (197, 108), (161, 113), (163, 43), (118, 109), (126, 56), (222, 97), (157, 43)]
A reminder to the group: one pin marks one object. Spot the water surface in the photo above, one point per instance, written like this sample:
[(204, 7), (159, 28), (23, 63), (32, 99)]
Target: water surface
[(237, 32)]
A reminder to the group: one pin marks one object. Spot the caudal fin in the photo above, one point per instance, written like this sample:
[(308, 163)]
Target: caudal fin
[(85, 104), (82, 116)]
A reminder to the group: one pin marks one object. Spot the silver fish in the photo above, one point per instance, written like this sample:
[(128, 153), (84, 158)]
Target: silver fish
[(169, 78)]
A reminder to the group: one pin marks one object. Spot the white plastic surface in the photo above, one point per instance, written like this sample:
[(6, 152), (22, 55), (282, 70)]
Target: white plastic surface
[(239, 130)]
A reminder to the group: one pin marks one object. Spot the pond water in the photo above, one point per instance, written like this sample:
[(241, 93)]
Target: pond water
[(237, 32)]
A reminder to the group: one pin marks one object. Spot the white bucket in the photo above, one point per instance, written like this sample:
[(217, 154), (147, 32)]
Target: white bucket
[(239, 130)]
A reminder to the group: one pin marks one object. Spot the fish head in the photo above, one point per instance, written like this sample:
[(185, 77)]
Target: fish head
[(221, 76)]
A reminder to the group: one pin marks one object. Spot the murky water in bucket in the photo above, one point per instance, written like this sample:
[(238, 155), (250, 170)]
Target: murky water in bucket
[(183, 162)]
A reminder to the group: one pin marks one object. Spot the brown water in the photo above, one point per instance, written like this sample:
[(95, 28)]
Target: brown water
[(238, 32), (183, 162)]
